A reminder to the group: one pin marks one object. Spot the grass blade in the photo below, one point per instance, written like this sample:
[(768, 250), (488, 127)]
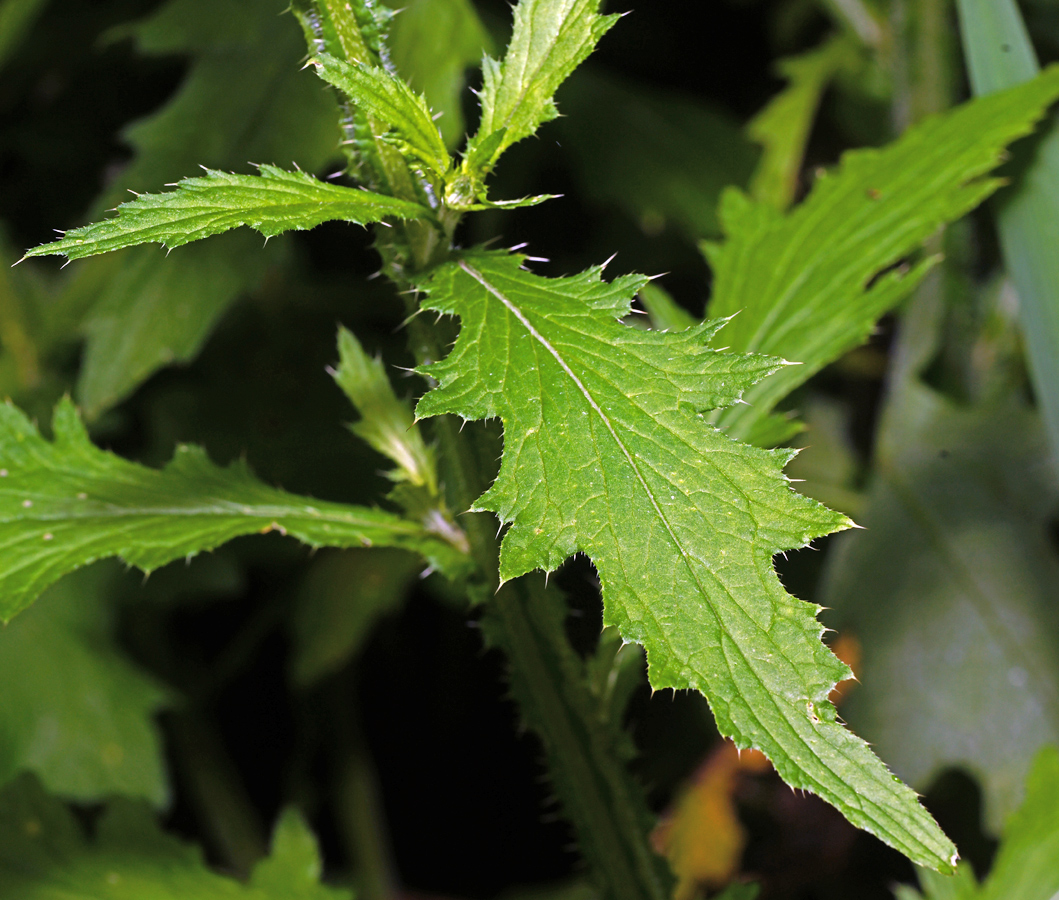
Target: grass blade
[(999, 54)]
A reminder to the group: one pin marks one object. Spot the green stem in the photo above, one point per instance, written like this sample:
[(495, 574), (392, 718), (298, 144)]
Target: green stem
[(216, 793), (361, 820), (582, 745)]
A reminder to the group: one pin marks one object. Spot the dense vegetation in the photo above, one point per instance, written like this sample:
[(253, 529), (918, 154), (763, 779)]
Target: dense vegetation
[(336, 646)]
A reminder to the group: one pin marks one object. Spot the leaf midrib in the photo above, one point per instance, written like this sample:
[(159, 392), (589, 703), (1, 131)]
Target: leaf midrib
[(784, 711)]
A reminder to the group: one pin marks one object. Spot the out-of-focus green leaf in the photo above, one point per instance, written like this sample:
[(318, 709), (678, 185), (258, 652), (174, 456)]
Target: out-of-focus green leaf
[(432, 42), (782, 128), (389, 100), (864, 19), (661, 157), (140, 291), (66, 503), (292, 870), (76, 712), (961, 886), (739, 892), (951, 591), (806, 286), (827, 465), (999, 54), (1025, 866), (682, 528), (272, 202), (342, 597), (244, 99), (665, 313), (16, 18), (550, 39), (45, 856)]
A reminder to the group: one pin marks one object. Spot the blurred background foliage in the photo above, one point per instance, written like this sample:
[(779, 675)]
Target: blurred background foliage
[(352, 684)]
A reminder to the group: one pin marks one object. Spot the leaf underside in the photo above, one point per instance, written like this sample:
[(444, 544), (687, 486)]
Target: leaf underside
[(66, 503), (272, 202), (606, 452)]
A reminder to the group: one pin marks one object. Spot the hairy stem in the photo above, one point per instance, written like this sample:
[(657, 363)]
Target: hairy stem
[(582, 744)]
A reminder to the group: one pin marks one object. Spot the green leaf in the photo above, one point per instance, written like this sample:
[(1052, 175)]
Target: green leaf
[(1025, 866), (782, 127), (999, 54), (76, 712), (244, 98), (605, 452), (66, 503), (293, 869), (16, 18), (432, 42), (550, 39), (340, 600), (665, 313), (951, 590), (45, 856), (272, 202), (806, 286), (149, 311), (386, 424), (389, 100), (661, 157)]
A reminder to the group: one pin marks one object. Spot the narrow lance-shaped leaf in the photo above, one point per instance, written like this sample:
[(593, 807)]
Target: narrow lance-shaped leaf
[(389, 100), (606, 452), (272, 202), (387, 425), (433, 42), (550, 39), (806, 286), (782, 127), (999, 54), (66, 503)]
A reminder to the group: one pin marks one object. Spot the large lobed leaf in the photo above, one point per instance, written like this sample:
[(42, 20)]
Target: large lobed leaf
[(45, 856), (66, 503), (550, 39), (272, 202), (806, 286), (606, 452)]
